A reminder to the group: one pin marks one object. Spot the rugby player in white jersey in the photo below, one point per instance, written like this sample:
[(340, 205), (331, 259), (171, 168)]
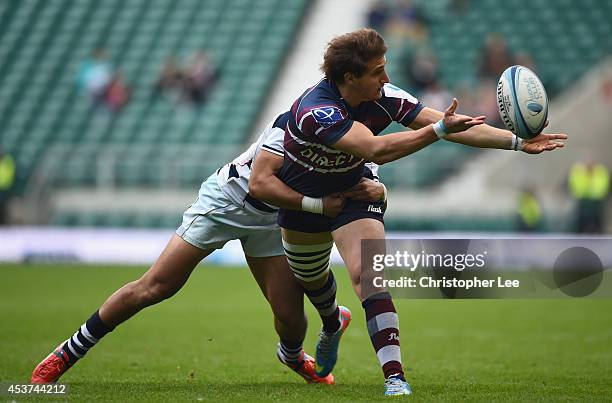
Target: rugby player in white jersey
[(222, 212)]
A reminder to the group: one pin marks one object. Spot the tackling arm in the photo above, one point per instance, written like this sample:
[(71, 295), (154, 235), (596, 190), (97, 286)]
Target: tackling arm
[(265, 185)]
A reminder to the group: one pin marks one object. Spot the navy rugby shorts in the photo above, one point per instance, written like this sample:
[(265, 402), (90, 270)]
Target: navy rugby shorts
[(310, 222)]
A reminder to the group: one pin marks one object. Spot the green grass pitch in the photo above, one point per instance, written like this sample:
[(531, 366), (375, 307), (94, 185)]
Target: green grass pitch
[(214, 341)]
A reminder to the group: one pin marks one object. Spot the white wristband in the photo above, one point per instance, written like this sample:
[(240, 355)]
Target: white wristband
[(384, 199), (312, 205), (517, 143), (440, 129)]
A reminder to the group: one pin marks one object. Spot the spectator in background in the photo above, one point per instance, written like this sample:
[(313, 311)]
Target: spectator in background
[(469, 103), (95, 74), (486, 104), (589, 185), (436, 96), (524, 59), (378, 15), (529, 212), (117, 93), (408, 22), (422, 70), (7, 179), (459, 7), (200, 76), (495, 57), (170, 81)]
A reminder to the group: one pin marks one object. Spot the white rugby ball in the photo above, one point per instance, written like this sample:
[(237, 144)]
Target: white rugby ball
[(522, 102)]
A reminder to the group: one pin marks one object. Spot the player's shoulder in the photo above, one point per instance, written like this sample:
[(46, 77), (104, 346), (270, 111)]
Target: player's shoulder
[(391, 91), (280, 122), (320, 95), (321, 103)]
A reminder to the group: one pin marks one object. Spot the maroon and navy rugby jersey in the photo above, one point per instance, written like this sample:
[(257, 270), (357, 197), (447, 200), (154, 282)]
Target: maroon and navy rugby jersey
[(319, 118)]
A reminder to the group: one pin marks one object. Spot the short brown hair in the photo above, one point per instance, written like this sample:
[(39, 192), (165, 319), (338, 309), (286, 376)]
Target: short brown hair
[(350, 53)]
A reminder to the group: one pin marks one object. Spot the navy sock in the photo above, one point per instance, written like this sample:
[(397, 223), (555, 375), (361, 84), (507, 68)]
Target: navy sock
[(85, 338), (290, 351)]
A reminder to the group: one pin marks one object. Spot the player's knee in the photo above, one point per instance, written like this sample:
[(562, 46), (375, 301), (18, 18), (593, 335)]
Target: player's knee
[(154, 290), (309, 263), (357, 276)]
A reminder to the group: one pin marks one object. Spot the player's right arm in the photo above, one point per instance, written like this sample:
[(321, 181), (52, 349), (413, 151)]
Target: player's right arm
[(485, 136), (361, 142)]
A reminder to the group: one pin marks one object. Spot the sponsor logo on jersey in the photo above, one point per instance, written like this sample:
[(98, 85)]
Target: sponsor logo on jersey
[(322, 159), (327, 116)]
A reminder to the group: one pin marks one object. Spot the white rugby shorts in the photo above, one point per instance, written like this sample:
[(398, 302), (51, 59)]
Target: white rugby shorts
[(213, 220)]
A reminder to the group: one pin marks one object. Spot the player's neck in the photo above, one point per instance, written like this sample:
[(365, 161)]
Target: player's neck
[(350, 96)]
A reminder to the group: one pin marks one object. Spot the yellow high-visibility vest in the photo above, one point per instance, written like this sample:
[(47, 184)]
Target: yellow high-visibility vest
[(529, 209), (593, 184), (7, 172)]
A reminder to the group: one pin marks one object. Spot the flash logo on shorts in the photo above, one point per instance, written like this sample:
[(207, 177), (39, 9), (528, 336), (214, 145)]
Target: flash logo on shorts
[(375, 209), (327, 116)]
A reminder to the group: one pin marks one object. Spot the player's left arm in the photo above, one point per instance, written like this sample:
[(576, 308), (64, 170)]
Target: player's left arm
[(485, 136)]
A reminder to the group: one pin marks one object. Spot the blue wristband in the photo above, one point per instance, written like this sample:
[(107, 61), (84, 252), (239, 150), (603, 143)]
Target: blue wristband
[(443, 126), (440, 129)]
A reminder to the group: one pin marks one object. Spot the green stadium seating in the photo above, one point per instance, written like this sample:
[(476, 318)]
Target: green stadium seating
[(42, 45), (565, 39)]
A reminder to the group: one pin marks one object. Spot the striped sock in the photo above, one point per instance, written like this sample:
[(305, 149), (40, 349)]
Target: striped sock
[(310, 263), (324, 300), (85, 338), (289, 352), (383, 328)]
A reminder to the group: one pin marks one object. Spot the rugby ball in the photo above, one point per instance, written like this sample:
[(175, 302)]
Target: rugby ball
[(522, 102)]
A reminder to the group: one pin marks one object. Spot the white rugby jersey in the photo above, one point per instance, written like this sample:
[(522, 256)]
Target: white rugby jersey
[(233, 178)]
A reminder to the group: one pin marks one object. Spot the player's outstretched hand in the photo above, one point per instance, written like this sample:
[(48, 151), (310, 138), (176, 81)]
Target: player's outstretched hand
[(543, 142), (365, 190), (333, 205), (457, 123)]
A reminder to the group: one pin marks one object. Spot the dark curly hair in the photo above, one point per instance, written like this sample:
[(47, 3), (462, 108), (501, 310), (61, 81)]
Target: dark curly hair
[(351, 52)]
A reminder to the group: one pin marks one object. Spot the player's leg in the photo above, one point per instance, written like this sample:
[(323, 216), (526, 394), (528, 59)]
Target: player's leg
[(286, 299), (284, 295), (382, 319), (199, 234), (308, 255), (163, 279), (167, 276)]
